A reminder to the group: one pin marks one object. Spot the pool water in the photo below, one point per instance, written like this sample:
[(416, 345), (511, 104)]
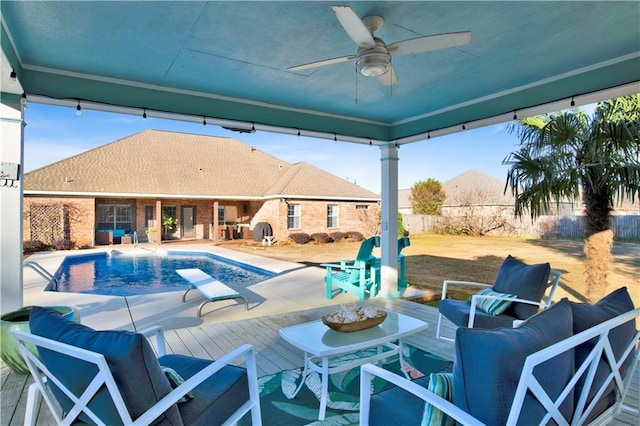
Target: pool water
[(124, 274)]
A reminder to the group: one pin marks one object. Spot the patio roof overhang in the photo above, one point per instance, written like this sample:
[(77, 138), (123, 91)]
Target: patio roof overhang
[(227, 61)]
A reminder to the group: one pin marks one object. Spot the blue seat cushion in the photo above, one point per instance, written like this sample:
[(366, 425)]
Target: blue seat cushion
[(397, 406), (457, 311), (586, 316), (528, 282), (215, 399), (489, 363), (131, 360)]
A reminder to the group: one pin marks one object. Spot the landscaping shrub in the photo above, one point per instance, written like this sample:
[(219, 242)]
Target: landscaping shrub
[(33, 246), (299, 238), (338, 236), (355, 236), (64, 244), (321, 237)]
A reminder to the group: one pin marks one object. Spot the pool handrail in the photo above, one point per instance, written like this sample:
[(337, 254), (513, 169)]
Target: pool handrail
[(42, 272)]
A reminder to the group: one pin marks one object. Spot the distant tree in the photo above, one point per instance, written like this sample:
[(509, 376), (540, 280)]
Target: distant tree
[(427, 197), (569, 155)]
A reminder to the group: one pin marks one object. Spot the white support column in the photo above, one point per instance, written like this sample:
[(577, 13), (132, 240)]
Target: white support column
[(11, 151), (389, 226)]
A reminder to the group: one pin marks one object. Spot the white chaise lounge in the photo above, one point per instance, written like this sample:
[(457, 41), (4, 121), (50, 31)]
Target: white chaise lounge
[(210, 288)]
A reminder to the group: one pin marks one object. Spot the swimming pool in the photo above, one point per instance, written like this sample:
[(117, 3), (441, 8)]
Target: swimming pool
[(135, 273)]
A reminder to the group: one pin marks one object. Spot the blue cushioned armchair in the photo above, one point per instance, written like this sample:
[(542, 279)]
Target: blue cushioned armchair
[(569, 364), (526, 284), (116, 377)]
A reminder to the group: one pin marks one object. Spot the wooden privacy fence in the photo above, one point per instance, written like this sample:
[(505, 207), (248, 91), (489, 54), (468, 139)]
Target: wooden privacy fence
[(625, 228)]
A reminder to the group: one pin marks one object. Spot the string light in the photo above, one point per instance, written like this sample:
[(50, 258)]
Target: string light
[(13, 76), (204, 120), (78, 110), (144, 115), (253, 127), (335, 138), (428, 135), (298, 132), (23, 100), (573, 102), (515, 115), (464, 127)]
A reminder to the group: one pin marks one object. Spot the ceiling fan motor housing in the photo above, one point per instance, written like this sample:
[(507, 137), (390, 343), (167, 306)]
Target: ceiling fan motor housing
[(373, 61)]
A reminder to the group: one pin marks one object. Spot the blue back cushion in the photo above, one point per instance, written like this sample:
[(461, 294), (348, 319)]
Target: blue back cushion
[(526, 281), (586, 316), (489, 362), (131, 360)]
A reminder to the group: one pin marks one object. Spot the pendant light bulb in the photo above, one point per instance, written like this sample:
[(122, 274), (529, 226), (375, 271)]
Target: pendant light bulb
[(144, 115), (78, 110)]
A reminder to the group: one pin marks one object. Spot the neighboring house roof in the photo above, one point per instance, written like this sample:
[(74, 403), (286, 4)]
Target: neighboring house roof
[(404, 199), (475, 187), (169, 164), (469, 188)]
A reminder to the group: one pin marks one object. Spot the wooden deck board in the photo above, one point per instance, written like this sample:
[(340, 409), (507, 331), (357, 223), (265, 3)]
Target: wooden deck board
[(212, 340)]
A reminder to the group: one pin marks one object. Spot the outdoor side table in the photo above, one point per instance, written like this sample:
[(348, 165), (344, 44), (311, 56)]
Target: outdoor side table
[(320, 344)]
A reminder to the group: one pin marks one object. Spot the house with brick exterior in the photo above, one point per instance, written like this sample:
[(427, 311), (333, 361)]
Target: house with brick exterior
[(160, 185)]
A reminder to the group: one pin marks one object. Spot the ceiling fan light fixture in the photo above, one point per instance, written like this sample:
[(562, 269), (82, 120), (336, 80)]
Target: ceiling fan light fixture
[(374, 61), (373, 65)]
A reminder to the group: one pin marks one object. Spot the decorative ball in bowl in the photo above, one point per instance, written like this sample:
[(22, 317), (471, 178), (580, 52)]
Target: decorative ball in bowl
[(350, 319)]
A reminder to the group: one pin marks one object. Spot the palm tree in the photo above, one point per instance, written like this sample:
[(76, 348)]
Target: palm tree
[(568, 155)]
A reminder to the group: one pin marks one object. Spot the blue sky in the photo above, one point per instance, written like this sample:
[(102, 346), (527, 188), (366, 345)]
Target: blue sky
[(55, 133)]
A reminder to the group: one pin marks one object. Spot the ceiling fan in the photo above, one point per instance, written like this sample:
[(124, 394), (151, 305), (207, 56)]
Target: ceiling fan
[(374, 56)]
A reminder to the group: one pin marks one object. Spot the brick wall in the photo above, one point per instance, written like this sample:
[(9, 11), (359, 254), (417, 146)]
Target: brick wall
[(78, 225), (313, 217), (81, 227)]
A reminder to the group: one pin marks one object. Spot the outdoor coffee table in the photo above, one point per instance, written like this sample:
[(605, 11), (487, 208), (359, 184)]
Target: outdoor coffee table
[(320, 344)]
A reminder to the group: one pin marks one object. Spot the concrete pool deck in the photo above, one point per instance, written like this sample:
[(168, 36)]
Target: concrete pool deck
[(295, 287)]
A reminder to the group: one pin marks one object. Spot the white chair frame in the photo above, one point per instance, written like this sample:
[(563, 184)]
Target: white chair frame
[(40, 388), (529, 384), (552, 284)]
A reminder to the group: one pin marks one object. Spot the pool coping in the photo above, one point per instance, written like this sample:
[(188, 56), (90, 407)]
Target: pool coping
[(294, 287)]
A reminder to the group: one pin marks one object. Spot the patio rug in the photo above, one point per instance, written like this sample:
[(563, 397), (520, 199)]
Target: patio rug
[(344, 390)]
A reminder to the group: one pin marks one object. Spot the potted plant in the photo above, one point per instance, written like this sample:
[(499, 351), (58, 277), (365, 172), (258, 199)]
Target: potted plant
[(151, 234), (19, 320), (168, 223)]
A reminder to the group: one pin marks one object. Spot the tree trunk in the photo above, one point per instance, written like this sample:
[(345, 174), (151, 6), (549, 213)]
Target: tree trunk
[(597, 248), (598, 239)]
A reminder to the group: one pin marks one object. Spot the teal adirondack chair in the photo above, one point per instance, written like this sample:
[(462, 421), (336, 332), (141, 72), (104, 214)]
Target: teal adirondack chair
[(402, 277), (357, 276)]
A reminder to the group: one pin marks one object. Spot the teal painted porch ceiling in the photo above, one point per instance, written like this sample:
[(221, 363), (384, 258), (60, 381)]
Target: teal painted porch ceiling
[(229, 60)]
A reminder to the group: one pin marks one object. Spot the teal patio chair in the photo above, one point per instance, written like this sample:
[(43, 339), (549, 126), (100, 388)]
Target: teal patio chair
[(402, 276), (358, 276)]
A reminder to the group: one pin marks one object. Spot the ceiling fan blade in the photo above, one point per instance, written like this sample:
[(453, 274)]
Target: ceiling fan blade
[(388, 78), (429, 43), (354, 26), (322, 63)]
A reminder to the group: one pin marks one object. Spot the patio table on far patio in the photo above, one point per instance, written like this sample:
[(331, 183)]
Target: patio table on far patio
[(320, 344)]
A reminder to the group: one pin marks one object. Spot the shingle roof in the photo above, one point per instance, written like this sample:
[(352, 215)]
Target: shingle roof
[(476, 187), (161, 163)]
